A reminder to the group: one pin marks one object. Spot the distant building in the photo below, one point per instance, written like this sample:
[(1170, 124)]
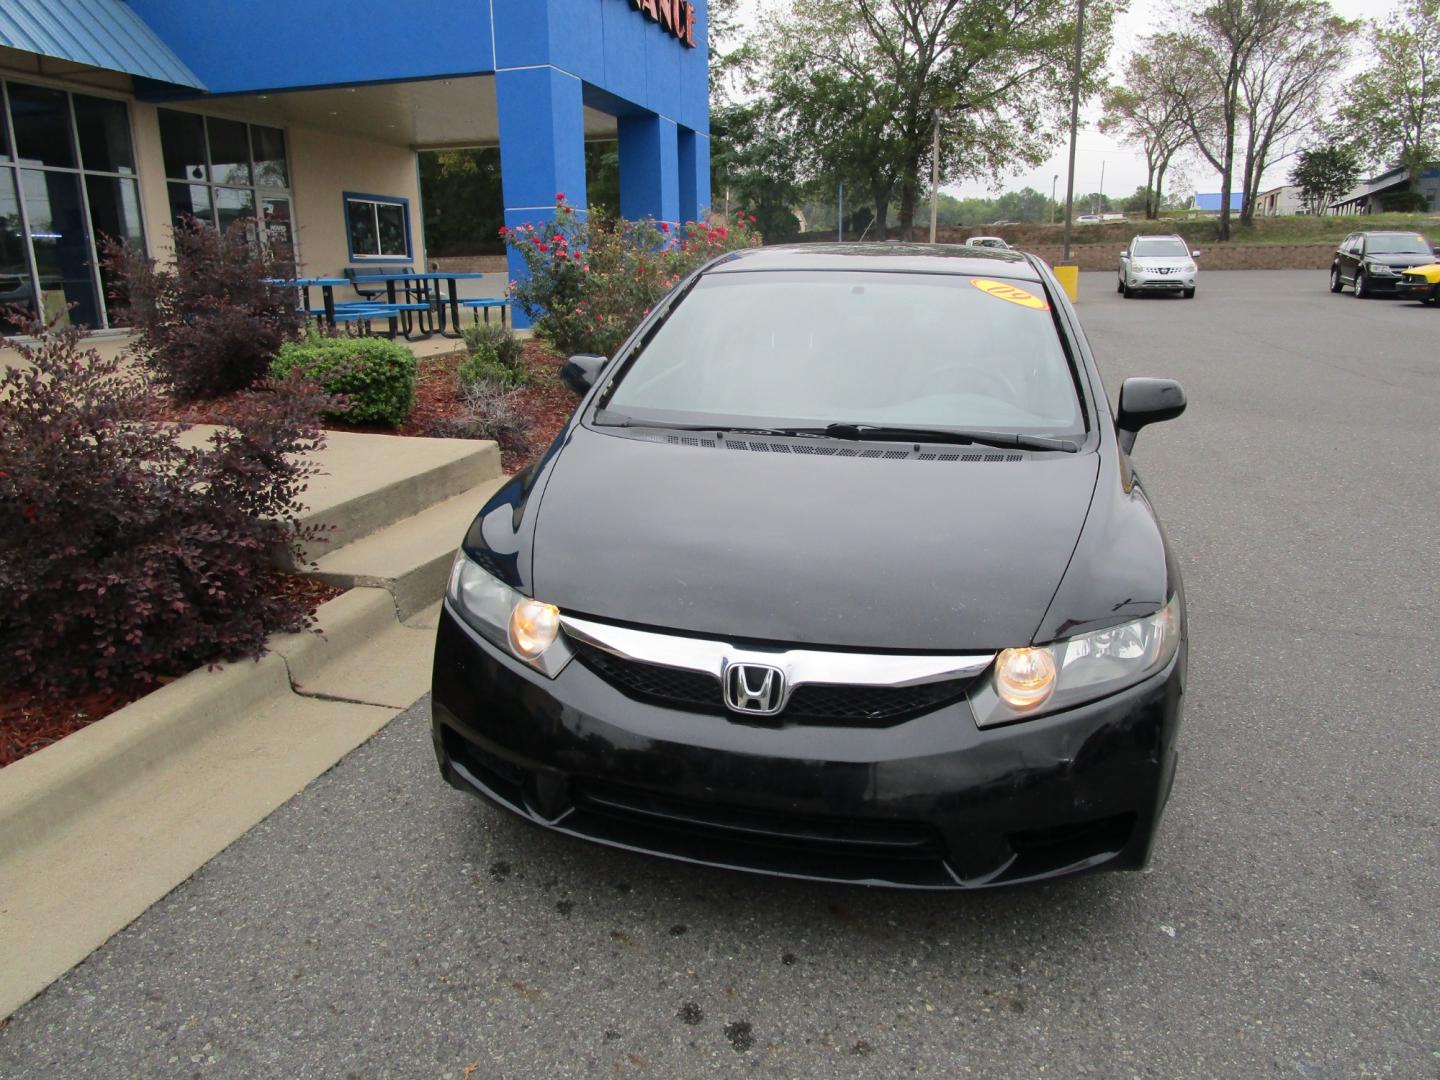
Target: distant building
[(1209, 202), (1371, 196), (1283, 201)]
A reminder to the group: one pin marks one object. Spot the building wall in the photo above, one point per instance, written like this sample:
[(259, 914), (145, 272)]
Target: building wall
[(323, 168)]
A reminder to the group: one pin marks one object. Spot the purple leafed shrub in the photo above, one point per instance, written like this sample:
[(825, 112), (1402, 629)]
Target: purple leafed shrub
[(126, 555), (210, 324)]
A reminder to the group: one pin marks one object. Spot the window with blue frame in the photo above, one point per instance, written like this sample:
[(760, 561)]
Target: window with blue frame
[(378, 227)]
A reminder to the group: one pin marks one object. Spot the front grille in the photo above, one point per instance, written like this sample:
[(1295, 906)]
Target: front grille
[(651, 682), (829, 705)]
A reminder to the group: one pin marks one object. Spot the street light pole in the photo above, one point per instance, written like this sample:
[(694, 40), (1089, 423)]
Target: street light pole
[(935, 179), (1053, 181), (1074, 126)]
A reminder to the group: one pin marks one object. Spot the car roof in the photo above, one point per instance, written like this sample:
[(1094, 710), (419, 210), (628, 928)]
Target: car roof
[(881, 256), (1390, 232), (1157, 236)]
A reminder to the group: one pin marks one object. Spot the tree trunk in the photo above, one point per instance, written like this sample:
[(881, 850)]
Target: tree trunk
[(908, 196), (1160, 188), (1149, 189)]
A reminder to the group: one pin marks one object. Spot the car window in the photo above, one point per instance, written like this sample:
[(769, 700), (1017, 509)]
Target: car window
[(811, 348), (1161, 248), (1397, 244)]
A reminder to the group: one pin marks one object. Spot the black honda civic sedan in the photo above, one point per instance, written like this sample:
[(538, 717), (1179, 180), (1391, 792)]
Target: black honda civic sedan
[(841, 570)]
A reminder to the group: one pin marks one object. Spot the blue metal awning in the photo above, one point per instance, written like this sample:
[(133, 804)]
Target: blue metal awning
[(98, 33)]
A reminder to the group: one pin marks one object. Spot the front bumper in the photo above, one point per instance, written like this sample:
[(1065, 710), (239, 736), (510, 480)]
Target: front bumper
[(1152, 281), (933, 802), (1417, 288)]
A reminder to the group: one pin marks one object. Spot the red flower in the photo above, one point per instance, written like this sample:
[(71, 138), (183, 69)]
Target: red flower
[(543, 247), (752, 219), (664, 226), (560, 196)]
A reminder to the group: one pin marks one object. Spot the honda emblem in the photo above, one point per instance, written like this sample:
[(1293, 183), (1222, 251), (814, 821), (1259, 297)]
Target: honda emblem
[(756, 689)]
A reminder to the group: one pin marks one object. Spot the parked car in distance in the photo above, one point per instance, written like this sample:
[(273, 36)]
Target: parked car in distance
[(1158, 264), (1373, 262), (996, 242), (1088, 219), (1421, 283), (861, 586), (1005, 223)]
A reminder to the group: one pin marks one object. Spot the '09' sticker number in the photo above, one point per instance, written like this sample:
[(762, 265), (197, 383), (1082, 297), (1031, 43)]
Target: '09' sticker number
[(1010, 293)]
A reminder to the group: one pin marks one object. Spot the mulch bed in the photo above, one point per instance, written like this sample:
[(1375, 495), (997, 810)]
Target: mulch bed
[(544, 400), (28, 724)]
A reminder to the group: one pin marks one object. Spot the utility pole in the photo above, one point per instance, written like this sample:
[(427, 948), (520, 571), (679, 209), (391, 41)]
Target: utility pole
[(935, 179), (1100, 202), (840, 215), (1074, 126), (1054, 180)]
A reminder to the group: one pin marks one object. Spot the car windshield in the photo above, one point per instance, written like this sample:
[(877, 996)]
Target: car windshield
[(1397, 245), (1161, 249), (806, 349)]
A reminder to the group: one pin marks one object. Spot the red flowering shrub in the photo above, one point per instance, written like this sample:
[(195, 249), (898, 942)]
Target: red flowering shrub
[(126, 555), (591, 279), (211, 324)]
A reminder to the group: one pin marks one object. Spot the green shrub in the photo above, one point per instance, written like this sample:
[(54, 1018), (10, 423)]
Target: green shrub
[(509, 349), (484, 365), (376, 377)]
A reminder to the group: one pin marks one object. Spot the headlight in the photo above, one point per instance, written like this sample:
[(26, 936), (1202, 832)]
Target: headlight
[(1380, 268), (1189, 268), (1031, 681), (527, 629)]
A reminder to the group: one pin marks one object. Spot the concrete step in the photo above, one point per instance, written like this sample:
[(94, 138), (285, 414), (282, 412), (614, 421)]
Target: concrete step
[(369, 482), (410, 557)]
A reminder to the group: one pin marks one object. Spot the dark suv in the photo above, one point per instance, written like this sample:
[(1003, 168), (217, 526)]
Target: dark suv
[(1372, 262)]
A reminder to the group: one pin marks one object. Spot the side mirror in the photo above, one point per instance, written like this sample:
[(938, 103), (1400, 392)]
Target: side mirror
[(1146, 401), (579, 372), (1196, 254), (1124, 254)]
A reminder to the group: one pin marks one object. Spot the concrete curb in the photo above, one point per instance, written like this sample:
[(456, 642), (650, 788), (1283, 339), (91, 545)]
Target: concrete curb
[(102, 824)]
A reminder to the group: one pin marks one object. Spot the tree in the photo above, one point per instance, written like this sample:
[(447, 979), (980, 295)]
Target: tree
[(1146, 112), (1286, 83), (1392, 110), (1324, 173), (996, 74)]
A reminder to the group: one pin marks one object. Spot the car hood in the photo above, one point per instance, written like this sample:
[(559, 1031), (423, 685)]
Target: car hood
[(1146, 262), (1401, 260), (814, 548)]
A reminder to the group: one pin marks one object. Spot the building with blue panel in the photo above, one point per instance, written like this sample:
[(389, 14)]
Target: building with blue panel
[(307, 117)]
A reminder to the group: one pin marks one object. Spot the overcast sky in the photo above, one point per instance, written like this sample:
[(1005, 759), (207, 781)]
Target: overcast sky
[(1124, 168)]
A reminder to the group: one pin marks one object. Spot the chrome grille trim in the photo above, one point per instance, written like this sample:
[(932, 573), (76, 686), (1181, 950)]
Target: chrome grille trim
[(801, 666)]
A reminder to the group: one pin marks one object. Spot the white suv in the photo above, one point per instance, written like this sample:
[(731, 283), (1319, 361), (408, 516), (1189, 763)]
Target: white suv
[(1158, 264)]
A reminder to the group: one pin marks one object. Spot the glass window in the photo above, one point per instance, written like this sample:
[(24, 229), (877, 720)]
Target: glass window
[(104, 129), (279, 235), (114, 215), (229, 152), (42, 126), (378, 228), (62, 249), (15, 284), (1167, 248), (232, 205), (182, 139), (192, 199), (1397, 244), (881, 348), (269, 147)]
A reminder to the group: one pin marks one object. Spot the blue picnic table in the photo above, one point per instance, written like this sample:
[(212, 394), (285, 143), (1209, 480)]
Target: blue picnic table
[(425, 287)]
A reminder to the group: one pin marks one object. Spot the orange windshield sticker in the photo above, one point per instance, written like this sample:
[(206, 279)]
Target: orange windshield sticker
[(1013, 293)]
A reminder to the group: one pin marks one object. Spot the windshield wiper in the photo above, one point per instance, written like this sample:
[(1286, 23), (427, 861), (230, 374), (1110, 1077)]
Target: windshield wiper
[(606, 418), (950, 435)]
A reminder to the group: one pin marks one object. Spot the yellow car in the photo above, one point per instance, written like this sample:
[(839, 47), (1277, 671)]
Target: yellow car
[(1421, 283)]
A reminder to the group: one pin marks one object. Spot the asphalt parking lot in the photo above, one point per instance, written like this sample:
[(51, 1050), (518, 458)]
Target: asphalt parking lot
[(383, 925)]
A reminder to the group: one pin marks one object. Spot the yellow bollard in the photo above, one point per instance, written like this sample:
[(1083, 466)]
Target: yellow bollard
[(1069, 275)]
